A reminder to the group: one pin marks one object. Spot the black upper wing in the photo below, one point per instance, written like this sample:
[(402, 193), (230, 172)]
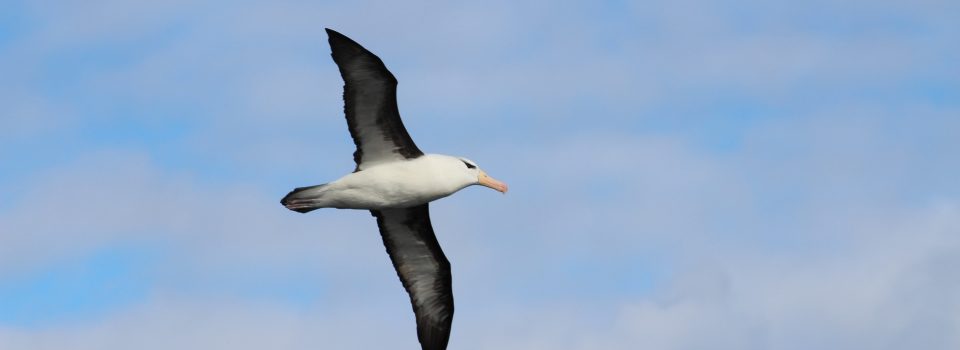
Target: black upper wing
[(370, 103), (423, 269)]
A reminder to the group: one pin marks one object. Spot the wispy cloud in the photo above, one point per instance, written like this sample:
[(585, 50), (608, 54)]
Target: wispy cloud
[(738, 175)]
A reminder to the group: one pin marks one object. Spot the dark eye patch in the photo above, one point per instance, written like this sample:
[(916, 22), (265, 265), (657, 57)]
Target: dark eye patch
[(469, 166)]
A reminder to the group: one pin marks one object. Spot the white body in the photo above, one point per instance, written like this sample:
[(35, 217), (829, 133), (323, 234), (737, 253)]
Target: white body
[(399, 184)]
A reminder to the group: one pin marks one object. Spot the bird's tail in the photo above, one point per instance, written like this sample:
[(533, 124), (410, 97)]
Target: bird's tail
[(304, 199)]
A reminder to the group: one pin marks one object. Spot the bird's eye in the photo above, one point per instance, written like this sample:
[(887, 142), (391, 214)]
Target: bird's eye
[(469, 166)]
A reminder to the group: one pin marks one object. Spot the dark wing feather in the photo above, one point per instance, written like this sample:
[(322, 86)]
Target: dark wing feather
[(423, 269), (370, 104)]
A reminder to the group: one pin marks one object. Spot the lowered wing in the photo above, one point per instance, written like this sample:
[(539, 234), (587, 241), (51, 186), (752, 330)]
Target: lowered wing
[(423, 269)]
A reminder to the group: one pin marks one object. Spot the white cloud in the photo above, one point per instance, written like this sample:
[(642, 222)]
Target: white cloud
[(216, 324), (827, 274), (834, 229), (118, 197)]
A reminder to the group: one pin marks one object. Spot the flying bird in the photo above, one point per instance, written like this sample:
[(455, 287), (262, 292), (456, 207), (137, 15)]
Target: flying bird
[(396, 182)]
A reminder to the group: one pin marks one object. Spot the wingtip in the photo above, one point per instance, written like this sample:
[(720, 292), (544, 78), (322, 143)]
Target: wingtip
[(340, 42), (335, 35)]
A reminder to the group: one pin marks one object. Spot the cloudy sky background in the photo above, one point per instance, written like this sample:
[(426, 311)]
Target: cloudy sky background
[(684, 174)]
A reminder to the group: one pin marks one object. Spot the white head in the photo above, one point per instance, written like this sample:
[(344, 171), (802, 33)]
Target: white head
[(466, 173)]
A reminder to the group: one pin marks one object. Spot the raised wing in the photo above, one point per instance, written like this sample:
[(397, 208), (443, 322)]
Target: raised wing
[(423, 269), (370, 103)]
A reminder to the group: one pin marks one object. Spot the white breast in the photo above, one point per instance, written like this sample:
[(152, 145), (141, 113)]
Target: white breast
[(394, 185)]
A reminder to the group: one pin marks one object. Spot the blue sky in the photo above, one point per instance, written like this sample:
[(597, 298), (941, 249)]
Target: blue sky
[(684, 175)]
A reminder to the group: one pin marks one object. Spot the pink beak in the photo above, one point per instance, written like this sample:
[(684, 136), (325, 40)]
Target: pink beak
[(486, 180)]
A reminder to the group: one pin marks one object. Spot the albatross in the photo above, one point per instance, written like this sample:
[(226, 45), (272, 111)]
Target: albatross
[(395, 181)]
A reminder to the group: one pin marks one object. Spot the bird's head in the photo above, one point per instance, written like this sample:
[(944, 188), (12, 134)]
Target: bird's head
[(480, 177), (461, 172)]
